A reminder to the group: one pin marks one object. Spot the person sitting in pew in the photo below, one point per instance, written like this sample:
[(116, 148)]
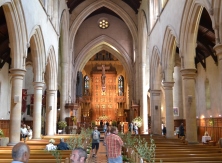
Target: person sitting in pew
[(20, 153), (62, 145), (51, 146)]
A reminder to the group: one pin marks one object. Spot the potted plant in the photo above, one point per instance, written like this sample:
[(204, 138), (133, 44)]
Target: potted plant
[(62, 125), (1, 133)]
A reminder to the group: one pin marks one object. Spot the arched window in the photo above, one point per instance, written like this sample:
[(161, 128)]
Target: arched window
[(121, 86), (86, 85), (207, 94)]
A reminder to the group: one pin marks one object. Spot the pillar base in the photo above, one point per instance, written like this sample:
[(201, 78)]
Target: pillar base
[(11, 144)]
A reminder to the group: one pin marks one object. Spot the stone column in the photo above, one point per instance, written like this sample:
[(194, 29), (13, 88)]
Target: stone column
[(50, 108), (218, 49), (177, 92), (155, 101), (16, 105), (63, 98), (168, 94), (55, 113), (189, 104), (37, 109), (143, 107)]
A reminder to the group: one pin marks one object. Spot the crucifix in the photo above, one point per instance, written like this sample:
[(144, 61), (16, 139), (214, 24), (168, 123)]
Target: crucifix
[(103, 77)]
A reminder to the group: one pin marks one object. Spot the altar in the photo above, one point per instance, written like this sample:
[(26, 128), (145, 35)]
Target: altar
[(205, 139)]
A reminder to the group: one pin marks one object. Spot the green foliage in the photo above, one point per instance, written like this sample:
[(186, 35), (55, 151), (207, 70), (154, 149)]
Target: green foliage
[(129, 141), (114, 123), (145, 150), (138, 121), (93, 123), (125, 158), (78, 140), (62, 124), (1, 133), (56, 153)]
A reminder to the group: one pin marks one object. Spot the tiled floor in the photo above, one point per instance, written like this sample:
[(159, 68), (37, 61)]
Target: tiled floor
[(101, 155)]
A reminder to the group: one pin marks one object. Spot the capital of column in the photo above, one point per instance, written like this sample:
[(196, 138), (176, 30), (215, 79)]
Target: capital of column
[(155, 92), (17, 72), (167, 85), (38, 85), (188, 73), (218, 49), (51, 91)]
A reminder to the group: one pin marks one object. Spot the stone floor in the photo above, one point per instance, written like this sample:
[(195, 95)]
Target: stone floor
[(101, 155)]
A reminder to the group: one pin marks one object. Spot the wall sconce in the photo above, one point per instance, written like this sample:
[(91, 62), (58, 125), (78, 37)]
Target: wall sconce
[(190, 98), (16, 99), (219, 115)]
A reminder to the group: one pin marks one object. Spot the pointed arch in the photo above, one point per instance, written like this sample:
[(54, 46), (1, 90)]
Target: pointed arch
[(17, 32), (93, 7), (168, 54), (51, 70), (189, 29), (38, 53), (155, 69), (108, 44)]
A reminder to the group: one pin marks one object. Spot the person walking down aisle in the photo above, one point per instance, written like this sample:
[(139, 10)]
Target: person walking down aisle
[(95, 141), (114, 146), (79, 155), (20, 153)]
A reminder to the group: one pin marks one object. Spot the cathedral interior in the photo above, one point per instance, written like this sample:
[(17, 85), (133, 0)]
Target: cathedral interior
[(111, 60)]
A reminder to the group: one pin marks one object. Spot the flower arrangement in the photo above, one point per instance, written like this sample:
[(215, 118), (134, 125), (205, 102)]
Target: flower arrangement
[(104, 117), (62, 124), (138, 121), (1, 133), (74, 120), (52, 141)]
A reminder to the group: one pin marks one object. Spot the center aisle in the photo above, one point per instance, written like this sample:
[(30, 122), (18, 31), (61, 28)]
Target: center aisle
[(101, 155)]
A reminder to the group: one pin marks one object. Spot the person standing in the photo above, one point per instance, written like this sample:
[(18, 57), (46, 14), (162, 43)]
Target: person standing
[(95, 141), (114, 146), (20, 153), (181, 130), (136, 129), (24, 132), (79, 155), (131, 127), (29, 132), (164, 130)]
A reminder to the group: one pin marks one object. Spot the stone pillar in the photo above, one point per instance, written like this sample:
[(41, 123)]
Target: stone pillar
[(189, 104), (177, 92), (50, 108), (168, 94), (55, 113), (218, 49), (155, 101), (63, 98), (16, 105), (37, 109), (143, 105)]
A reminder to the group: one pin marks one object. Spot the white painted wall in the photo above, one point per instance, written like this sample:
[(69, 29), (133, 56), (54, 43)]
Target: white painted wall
[(5, 92)]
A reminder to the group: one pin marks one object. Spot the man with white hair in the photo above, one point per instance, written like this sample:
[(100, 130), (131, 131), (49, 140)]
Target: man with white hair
[(20, 153)]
